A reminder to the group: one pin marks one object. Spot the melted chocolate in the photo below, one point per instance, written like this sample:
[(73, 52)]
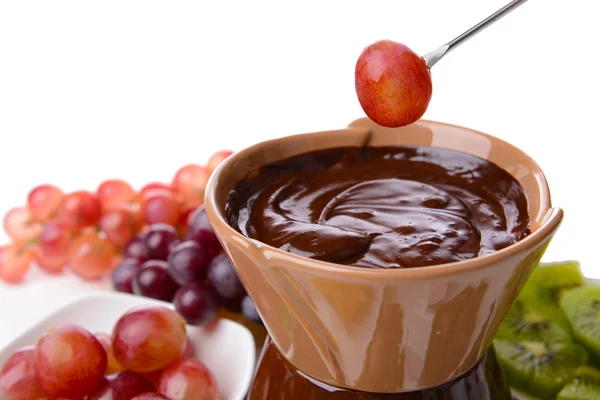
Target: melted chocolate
[(276, 379), (382, 207)]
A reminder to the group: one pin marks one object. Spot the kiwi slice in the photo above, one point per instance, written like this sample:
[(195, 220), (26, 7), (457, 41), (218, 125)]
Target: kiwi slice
[(585, 385), (546, 285), (524, 322), (539, 369), (582, 308)]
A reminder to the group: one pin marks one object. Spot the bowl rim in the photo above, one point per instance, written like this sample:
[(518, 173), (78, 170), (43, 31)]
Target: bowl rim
[(550, 218)]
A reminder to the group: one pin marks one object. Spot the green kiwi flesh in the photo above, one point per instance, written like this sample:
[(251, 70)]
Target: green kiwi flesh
[(537, 368)]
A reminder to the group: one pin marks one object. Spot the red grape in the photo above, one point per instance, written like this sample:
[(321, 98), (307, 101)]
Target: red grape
[(15, 260), (120, 225), (91, 257), (197, 303), (224, 279), (152, 186), (122, 386), (150, 396), (80, 209), (43, 202), (153, 376), (201, 231), (112, 365), (217, 158), (69, 362), (50, 264), (190, 350), (190, 183), (153, 280), (115, 192), (17, 377), (122, 276), (136, 248), (159, 240), (160, 206), (188, 379), (20, 225), (53, 246), (188, 262), (149, 338), (393, 84), (249, 310)]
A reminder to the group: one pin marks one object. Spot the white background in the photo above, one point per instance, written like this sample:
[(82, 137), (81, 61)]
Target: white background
[(136, 89)]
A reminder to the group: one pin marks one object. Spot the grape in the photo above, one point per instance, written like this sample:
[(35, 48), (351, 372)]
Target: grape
[(190, 183), (79, 209), (69, 362), (91, 257), (136, 248), (224, 279), (159, 240), (160, 206), (17, 377), (53, 246), (112, 365), (197, 303), (393, 84), (19, 225), (122, 276), (153, 280), (188, 379), (15, 260), (43, 202), (152, 186), (122, 386), (120, 225), (200, 231), (184, 219), (153, 376), (149, 338), (249, 310), (114, 192), (217, 158), (150, 396), (189, 351), (188, 262), (50, 264)]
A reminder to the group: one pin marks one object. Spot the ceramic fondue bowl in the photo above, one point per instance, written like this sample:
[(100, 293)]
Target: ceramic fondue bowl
[(384, 330)]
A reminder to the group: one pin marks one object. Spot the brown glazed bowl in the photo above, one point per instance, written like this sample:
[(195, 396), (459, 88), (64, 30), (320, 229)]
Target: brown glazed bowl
[(384, 330)]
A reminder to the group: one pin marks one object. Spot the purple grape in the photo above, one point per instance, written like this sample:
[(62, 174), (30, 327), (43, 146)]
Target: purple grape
[(174, 244), (136, 248), (122, 276), (153, 280), (226, 283), (158, 241), (122, 386), (188, 262), (197, 303), (249, 310), (200, 230)]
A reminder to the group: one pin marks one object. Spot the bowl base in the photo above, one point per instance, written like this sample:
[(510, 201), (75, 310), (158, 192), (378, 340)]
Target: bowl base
[(276, 379)]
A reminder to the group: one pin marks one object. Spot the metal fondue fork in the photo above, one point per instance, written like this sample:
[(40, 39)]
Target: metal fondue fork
[(436, 55)]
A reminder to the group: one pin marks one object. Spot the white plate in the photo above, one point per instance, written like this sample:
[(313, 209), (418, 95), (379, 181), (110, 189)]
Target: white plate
[(225, 347)]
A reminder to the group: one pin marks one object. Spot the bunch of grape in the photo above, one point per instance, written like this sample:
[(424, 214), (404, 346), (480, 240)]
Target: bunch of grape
[(141, 232), (148, 356), (86, 230), (193, 273)]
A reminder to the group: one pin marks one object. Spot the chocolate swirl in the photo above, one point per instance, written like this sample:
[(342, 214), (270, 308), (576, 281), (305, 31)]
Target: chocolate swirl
[(384, 207)]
